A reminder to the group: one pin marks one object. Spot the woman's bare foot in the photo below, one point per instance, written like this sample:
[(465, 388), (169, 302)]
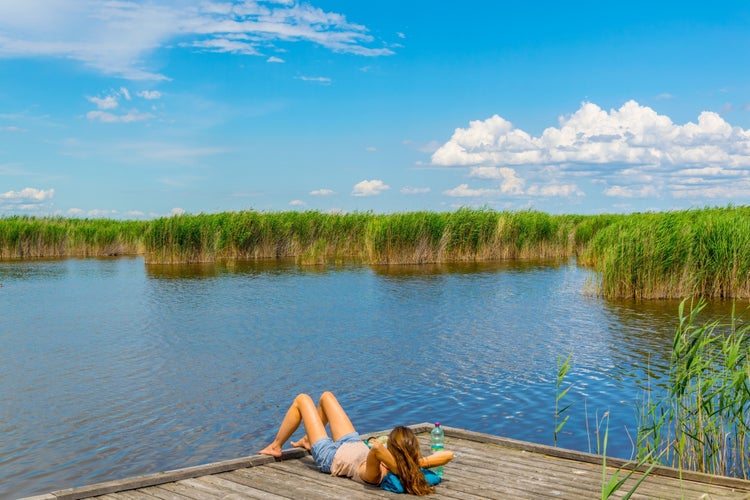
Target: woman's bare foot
[(302, 443), (271, 449)]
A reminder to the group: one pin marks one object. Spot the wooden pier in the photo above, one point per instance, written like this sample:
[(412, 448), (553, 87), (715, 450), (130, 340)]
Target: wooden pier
[(484, 466)]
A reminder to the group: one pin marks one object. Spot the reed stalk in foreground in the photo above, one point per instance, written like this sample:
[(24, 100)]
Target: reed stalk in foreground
[(703, 423), (563, 367)]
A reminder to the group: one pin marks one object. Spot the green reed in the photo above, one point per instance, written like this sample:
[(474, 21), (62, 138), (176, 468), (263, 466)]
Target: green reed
[(674, 254), (32, 237), (400, 238), (647, 255), (703, 424), (563, 367)]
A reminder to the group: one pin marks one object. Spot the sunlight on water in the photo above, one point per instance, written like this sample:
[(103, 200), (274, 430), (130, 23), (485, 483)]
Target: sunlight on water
[(111, 368)]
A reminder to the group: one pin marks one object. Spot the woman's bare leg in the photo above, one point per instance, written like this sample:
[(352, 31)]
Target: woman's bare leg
[(330, 411), (302, 410)]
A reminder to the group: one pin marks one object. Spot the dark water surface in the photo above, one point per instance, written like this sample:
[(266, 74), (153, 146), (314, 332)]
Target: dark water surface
[(110, 368)]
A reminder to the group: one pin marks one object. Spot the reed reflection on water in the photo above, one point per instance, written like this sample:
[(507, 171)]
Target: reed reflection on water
[(110, 368)]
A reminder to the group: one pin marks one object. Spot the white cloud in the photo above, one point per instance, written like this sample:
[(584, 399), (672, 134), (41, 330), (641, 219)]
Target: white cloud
[(129, 117), (274, 59), (632, 135), (627, 192), (28, 196), (97, 212), (412, 190), (117, 37), (108, 102), (510, 182), (633, 150), (297, 203), (564, 190), (125, 93), (324, 80), (464, 191), (369, 188), (76, 212), (177, 211), (150, 94), (322, 192)]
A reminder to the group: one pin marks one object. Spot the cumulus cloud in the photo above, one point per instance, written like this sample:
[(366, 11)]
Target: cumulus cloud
[(129, 117), (149, 94), (27, 199), (627, 192), (297, 203), (414, 190), (108, 102), (322, 192), (118, 37), (563, 190), (107, 105), (28, 195), (369, 188), (464, 191), (632, 152), (274, 59), (510, 182)]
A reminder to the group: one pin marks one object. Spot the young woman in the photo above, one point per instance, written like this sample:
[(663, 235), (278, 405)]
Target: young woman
[(345, 454)]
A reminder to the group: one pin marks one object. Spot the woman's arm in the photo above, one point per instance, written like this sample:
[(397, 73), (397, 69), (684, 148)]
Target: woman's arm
[(436, 459), (377, 458)]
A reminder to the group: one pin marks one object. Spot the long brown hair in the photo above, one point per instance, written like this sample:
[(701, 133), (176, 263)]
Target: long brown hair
[(403, 445)]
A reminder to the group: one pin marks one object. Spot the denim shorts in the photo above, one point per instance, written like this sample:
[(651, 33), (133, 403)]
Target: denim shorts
[(325, 448)]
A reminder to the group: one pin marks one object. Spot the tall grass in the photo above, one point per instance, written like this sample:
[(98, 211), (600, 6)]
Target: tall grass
[(703, 424), (31, 237), (674, 254), (642, 256), (402, 238), (312, 237)]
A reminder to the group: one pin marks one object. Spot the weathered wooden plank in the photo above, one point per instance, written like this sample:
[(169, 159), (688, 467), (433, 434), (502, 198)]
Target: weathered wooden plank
[(235, 487), (290, 482), (182, 489), (205, 489), (164, 494)]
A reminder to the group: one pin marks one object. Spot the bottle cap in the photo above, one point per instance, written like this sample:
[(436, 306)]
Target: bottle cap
[(437, 424)]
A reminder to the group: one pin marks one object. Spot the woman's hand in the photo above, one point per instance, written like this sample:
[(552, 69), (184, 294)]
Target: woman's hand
[(436, 459)]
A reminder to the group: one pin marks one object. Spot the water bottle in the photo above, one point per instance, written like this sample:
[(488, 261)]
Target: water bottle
[(437, 443)]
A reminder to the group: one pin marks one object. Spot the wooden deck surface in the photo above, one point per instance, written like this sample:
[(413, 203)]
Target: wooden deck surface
[(484, 467)]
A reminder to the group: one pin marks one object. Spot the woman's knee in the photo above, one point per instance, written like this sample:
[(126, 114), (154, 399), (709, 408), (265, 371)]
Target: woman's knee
[(303, 399), (327, 396)]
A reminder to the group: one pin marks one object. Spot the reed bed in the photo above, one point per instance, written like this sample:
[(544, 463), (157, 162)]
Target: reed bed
[(31, 237), (674, 255), (402, 238), (312, 237), (642, 256), (703, 424)]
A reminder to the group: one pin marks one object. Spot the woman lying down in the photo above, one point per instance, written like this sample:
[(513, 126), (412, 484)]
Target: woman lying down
[(345, 454)]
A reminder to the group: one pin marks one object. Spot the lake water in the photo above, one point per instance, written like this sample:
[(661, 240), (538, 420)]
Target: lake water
[(111, 368)]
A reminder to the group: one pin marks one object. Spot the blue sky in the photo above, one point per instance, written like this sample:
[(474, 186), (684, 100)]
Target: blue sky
[(139, 109)]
